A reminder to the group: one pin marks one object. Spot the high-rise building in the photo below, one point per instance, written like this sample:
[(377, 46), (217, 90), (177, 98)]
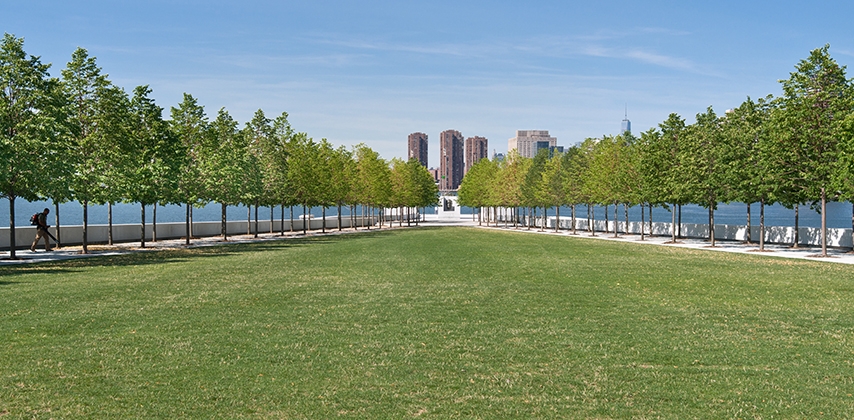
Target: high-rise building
[(435, 174), (476, 149), (418, 147), (527, 142), (450, 160), (626, 126)]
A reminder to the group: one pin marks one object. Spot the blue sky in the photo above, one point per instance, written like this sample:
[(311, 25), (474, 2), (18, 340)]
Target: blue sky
[(374, 72)]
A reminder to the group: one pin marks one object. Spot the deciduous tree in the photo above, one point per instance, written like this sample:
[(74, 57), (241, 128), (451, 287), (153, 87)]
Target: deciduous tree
[(33, 128), (817, 98)]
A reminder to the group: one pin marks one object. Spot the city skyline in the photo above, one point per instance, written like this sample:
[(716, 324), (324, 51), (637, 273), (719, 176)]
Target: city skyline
[(362, 73)]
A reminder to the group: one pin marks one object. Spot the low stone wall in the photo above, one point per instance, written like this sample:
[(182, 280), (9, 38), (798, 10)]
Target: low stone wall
[(773, 234), (97, 234)]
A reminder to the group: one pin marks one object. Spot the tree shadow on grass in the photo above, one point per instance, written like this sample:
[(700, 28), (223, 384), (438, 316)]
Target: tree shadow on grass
[(175, 255)]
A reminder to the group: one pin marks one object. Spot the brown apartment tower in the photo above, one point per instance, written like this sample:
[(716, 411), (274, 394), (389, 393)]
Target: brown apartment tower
[(476, 149), (418, 147), (450, 160)]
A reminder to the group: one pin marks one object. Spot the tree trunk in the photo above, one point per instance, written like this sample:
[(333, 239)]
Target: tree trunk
[(291, 215), (641, 224), (365, 213), (304, 217), (590, 220), (191, 221), (256, 219), (282, 221), (272, 209), (712, 223), (616, 219), (626, 214), (58, 236), (154, 223), (748, 223), (823, 222), (110, 224), (222, 227), (187, 225), (248, 219), (673, 224), (607, 229), (85, 227), (12, 244), (650, 219), (142, 225), (339, 218), (528, 217), (797, 238), (557, 219), (323, 222), (679, 225), (761, 224), (572, 218)]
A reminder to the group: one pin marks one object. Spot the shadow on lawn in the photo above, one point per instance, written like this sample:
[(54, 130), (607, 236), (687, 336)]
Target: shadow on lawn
[(171, 256)]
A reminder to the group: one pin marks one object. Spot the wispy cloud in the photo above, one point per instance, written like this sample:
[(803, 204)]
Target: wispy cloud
[(640, 55), (602, 45), (661, 60), (629, 33), (459, 50), (848, 53)]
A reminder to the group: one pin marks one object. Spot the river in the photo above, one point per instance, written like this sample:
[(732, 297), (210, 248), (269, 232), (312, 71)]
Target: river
[(71, 213)]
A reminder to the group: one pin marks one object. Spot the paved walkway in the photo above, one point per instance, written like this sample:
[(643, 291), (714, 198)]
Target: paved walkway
[(75, 251), (841, 256)]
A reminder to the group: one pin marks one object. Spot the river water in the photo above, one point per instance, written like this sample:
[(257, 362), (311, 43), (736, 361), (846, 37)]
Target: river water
[(71, 213)]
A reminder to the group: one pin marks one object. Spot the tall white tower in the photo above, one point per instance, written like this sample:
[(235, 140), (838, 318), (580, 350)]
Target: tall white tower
[(626, 126)]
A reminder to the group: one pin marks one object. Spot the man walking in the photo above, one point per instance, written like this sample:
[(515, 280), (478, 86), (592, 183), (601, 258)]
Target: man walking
[(41, 231)]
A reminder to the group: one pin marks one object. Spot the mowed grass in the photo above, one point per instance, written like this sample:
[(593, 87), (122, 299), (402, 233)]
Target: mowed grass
[(428, 323)]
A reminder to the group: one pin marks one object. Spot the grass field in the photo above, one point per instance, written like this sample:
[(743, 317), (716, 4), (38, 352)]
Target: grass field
[(428, 323)]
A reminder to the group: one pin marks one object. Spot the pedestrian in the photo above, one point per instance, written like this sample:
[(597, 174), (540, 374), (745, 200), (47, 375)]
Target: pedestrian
[(41, 231)]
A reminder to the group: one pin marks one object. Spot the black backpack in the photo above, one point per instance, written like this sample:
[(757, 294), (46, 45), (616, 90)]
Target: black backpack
[(34, 219)]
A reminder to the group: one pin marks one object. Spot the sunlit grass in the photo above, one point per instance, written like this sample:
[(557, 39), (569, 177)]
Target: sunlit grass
[(434, 323)]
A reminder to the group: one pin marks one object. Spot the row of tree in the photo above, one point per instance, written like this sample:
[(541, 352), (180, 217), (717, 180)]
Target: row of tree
[(80, 137), (794, 149)]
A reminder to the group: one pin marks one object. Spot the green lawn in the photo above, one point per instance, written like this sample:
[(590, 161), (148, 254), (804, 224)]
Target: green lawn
[(429, 323)]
